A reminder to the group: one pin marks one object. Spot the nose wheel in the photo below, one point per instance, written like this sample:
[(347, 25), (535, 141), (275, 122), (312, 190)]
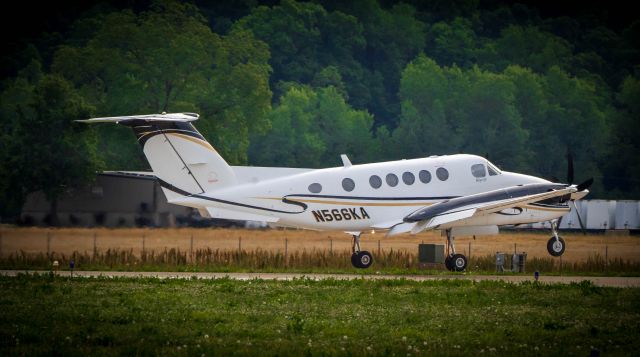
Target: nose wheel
[(555, 245)]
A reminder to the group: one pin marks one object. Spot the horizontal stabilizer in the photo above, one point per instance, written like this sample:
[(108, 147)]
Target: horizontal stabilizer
[(168, 117), (147, 175)]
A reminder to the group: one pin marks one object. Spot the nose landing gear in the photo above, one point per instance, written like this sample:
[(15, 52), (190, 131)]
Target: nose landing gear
[(555, 245)]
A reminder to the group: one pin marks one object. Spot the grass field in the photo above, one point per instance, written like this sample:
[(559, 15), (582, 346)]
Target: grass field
[(63, 316), (295, 250), (68, 240)]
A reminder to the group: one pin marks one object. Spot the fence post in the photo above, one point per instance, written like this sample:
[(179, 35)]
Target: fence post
[(286, 246), (143, 242), (606, 257), (469, 250), (95, 247), (191, 249), (0, 244), (331, 246), (378, 247), (48, 244), (239, 244)]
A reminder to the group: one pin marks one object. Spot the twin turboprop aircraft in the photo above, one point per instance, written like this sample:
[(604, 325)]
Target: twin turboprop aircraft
[(457, 194)]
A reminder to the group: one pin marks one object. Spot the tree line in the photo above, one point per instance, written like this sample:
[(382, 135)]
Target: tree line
[(298, 83)]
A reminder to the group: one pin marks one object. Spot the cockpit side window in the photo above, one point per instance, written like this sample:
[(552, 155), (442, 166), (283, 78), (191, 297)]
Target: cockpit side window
[(478, 171), (493, 171)]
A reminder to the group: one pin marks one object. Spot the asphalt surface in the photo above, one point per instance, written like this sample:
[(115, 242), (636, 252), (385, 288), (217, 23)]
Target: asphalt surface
[(619, 282)]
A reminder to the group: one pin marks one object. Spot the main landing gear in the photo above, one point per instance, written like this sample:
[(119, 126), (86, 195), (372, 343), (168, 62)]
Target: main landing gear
[(555, 245), (454, 261), (360, 258)]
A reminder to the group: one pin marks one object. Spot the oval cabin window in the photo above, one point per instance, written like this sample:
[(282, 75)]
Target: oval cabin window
[(348, 184), (408, 178), (315, 188), (392, 180), (375, 181), (425, 176), (442, 174)]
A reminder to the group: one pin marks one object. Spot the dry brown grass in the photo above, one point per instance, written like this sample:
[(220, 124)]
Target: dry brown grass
[(67, 240)]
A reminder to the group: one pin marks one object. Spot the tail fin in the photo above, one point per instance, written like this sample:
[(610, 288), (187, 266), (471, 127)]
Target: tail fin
[(183, 161)]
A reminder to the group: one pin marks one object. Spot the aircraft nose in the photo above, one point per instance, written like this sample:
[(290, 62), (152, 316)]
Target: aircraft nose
[(520, 179)]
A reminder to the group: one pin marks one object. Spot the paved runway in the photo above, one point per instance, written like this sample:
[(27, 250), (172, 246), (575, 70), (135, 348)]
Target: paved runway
[(596, 280)]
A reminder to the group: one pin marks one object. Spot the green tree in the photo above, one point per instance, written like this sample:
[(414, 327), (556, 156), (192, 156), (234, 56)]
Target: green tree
[(423, 129), (452, 43), (577, 115), (311, 128), (494, 124), (622, 167), (47, 150), (532, 104), (167, 59), (530, 47), (393, 37), (304, 38), (293, 140)]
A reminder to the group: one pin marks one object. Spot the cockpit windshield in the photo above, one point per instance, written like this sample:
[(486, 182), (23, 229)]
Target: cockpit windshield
[(493, 171)]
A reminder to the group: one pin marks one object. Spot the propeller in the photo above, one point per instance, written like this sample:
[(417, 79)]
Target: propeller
[(585, 185), (580, 187), (569, 166)]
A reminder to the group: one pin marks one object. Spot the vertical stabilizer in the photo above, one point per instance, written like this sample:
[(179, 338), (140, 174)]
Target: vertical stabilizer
[(182, 160)]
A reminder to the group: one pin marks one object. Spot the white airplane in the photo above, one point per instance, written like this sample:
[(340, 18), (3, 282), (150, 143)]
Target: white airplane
[(457, 194)]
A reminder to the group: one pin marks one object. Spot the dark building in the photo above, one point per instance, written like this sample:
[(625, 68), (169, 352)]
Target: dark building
[(115, 199)]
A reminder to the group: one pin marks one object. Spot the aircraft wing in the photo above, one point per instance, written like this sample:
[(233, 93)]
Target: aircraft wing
[(501, 205), (464, 208)]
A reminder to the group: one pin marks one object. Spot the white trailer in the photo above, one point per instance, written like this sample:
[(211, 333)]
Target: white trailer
[(600, 214), (627, 215)]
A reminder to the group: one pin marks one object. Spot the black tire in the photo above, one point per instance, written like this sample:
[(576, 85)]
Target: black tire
[(458, 262), (354, 260), (556, 248), (447, 263), (364, 260)]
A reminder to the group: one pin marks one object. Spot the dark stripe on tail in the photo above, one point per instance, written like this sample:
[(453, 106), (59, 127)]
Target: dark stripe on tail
[(146, 129)]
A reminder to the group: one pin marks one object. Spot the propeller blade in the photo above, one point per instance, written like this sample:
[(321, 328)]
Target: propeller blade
[(554, 179), (585, 185), (584, 230), (569, 167)]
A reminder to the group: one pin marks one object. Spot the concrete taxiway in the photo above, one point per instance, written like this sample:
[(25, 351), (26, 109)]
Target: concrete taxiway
[(619, 282)]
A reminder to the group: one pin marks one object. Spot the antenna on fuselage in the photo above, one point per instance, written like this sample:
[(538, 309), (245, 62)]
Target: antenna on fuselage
[(345, 160)]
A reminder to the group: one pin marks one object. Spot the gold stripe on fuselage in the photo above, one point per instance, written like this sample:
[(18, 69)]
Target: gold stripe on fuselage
[(352, 203), (397, 204)]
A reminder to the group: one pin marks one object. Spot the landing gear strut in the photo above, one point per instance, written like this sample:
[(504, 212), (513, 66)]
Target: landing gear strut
[(360, 258), (454, 261), (555, 245)]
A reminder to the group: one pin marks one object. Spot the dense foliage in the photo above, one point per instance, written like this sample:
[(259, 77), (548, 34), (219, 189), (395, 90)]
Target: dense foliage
[(297, 83)]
